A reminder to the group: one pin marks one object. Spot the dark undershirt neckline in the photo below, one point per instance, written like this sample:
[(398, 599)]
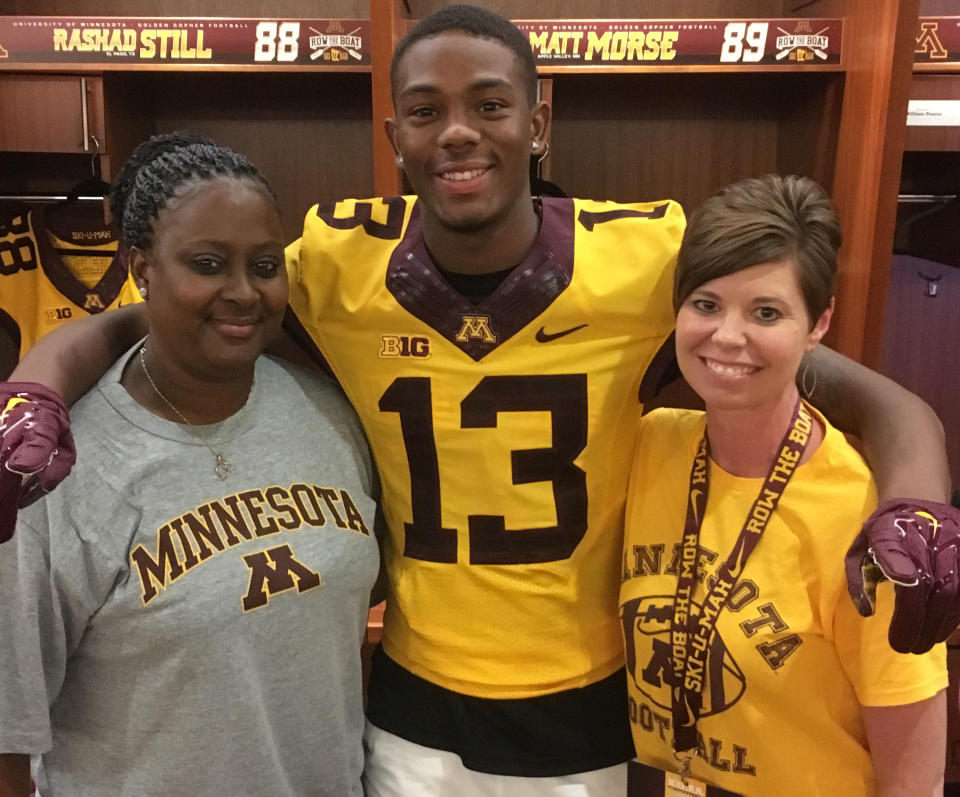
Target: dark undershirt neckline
[(475, 287)]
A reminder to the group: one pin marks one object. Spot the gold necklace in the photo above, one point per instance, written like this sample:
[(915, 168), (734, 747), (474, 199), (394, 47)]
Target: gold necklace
[(222, 466)]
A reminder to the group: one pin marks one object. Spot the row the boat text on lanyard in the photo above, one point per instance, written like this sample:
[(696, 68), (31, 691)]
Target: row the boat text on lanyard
[(690, 633)]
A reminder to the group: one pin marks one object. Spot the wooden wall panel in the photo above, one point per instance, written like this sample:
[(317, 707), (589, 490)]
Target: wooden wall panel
[(878, 42), (388, 22), (130, 117), (807, 136), (309, 133), (41, 173), (43, 113), (684, 136)]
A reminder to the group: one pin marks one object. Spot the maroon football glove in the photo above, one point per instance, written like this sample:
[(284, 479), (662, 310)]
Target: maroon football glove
[(916, 545), (36, 447)]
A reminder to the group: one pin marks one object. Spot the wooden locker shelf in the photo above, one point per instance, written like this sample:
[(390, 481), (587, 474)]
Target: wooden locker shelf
[(823, 133)]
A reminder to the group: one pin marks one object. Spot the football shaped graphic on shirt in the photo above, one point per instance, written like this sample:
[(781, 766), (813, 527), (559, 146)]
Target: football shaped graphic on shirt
[(646, 632)]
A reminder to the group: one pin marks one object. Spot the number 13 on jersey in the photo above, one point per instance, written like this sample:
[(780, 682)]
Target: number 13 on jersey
[(564, 397)]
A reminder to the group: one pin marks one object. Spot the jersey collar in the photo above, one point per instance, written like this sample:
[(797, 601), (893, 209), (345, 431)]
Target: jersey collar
[(478, 329)]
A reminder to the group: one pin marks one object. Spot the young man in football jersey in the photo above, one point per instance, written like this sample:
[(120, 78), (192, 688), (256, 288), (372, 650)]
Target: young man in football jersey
[(494, 348)]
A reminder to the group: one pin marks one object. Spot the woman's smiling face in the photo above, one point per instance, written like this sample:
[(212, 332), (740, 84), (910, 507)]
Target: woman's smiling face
[(741, 337), (215, 276)]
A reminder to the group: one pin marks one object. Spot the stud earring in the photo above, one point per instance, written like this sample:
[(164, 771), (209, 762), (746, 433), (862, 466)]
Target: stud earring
[(399, 161), (143, 292), (534, 146)]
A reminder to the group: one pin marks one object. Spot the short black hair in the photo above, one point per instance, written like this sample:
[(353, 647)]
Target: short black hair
[(159, 168), (473, 21)]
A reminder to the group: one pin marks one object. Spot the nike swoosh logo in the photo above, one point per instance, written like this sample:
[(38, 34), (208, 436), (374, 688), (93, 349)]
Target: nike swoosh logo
[(545, 337), (694, 495)]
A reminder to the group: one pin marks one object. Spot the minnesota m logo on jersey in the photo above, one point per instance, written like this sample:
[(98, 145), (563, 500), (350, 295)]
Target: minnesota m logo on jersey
[(476, 327), (93, 303)]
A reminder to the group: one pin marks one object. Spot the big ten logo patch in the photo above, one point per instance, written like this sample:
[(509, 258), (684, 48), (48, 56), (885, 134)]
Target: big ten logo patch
[(52, 314), (404, 346)]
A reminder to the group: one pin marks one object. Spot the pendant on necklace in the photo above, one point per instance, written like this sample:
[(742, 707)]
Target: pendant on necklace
[(222, 466)]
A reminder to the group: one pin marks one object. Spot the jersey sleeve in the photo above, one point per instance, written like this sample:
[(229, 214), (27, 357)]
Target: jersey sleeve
[(656, 252), (297, 256), (296, 320), (292, 256), (881, 676), (340, 241), (306, 259)]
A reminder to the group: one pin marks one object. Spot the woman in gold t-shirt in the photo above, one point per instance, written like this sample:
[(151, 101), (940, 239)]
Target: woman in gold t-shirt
[(749, 668)]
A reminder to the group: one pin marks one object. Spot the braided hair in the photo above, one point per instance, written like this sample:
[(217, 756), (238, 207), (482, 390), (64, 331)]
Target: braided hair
[(158, 170)]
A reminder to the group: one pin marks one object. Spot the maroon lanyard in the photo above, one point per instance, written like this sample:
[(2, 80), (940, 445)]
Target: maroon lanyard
[(690, 632)]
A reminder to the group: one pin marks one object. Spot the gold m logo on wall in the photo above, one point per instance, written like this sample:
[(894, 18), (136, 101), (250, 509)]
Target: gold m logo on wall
[(928, 41), (476, 327)]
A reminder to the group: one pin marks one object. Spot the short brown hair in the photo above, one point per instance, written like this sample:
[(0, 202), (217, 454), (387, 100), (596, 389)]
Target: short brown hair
[(763, 220)]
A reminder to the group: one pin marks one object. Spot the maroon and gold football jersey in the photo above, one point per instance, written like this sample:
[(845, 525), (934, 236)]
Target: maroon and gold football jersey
[(503, 430), (58, 264)]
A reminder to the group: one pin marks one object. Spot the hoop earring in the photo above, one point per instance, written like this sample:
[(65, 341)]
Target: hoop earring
[(808, 373), (535, 146)]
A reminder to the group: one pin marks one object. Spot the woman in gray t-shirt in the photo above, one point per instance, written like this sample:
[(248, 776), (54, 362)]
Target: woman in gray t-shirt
[(184, 614)]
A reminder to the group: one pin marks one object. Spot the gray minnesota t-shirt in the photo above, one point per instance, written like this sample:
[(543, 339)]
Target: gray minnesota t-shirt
[(166, 632)]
